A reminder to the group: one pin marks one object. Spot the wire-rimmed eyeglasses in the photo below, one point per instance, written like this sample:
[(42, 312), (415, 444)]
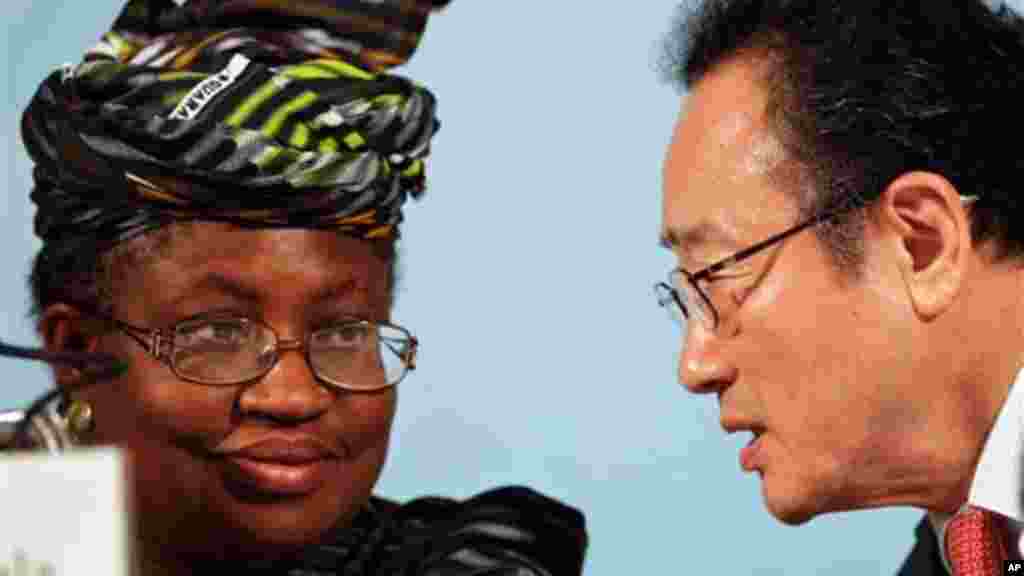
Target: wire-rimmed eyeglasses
[(221, 349), (682, 294), (689, 297)]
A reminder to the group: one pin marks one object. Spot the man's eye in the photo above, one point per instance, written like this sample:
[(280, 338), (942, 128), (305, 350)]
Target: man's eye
[(713, 282), (730, 276), (735, 286), (730, 284)]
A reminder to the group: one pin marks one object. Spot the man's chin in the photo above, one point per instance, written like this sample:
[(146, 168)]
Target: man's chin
[(788, 506), (790, 517)]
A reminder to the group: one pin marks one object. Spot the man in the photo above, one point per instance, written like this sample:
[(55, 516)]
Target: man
[(848, 231), (219, 188)]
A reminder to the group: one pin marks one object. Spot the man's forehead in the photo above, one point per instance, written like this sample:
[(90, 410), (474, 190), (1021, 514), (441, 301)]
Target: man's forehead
[(721, 177), (723, 134), (726, 106), (721, 202)]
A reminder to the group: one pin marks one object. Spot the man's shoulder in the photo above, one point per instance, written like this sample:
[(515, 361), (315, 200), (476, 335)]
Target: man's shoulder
[(514, 528)]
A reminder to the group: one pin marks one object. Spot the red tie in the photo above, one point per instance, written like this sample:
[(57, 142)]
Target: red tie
[(977, 543)]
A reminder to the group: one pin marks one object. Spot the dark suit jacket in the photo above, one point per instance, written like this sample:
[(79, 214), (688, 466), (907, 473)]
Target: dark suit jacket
[(924, 559)]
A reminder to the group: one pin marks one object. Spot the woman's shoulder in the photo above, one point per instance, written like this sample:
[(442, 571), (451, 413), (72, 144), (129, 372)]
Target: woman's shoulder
[(511, 530)]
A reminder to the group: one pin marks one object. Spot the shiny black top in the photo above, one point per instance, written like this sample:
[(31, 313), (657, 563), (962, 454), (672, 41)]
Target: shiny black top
[(510, 531)]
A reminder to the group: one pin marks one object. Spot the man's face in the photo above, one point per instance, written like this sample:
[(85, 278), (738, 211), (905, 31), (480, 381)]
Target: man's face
[(809, 361), (188, 494)]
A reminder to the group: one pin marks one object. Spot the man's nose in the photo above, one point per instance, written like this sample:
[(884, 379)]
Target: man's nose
[(703, 368)]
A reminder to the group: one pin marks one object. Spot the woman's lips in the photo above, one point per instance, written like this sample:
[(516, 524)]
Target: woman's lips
[(286, 479), (286, 466)]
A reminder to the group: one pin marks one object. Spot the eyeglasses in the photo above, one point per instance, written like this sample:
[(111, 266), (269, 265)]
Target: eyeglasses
[(689, 297), (682, 295), (223, 349)]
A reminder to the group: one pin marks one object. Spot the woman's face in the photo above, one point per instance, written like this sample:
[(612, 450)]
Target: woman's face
[(196, 497)]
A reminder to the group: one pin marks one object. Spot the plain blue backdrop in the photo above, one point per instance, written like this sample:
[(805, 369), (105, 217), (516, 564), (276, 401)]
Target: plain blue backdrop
[(527, 276)]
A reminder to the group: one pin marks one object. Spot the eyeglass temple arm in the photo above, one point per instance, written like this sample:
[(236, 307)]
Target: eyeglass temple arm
[(750, 251), (747, 252), (148, 339)]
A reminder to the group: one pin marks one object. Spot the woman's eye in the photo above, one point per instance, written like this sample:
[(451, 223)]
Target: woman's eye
[(214, 333), (230, 332), (345, 336)]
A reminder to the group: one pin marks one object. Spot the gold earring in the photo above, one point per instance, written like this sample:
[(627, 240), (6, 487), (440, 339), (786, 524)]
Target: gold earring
[(80, 417)]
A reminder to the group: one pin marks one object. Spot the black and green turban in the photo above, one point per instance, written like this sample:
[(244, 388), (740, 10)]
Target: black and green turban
[(264, 113)]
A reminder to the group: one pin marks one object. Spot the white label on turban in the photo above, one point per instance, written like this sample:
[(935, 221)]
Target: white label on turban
[(204, 92)]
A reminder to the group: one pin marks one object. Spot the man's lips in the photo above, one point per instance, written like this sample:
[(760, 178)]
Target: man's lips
[(749, 454), (749, 460), (733, 424)]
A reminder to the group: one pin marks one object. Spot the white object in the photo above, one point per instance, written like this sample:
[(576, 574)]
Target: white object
[(204, 92), (64, 513)]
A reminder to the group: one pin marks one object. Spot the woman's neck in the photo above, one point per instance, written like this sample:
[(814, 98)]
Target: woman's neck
[(151, 562)]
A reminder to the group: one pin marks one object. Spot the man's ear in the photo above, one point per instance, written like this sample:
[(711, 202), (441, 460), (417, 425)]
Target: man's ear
[(63, 328), (923, 216)]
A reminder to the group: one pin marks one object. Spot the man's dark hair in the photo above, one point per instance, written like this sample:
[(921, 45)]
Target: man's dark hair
[(89, 277), (860, 92)]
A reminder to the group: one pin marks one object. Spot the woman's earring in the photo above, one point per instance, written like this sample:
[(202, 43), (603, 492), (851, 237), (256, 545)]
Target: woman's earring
[(80, 417)]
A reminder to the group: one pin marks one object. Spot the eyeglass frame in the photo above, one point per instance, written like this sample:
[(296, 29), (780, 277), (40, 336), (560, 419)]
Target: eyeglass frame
[(161, 345), (745, 253)]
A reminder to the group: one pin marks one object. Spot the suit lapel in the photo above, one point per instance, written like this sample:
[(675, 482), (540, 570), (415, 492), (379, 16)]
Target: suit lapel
[(924, 559)]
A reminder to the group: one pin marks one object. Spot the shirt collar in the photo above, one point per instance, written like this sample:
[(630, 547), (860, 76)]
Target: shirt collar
[(998, 483)]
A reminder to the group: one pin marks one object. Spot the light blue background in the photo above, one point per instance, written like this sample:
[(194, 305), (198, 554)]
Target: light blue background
[(527, 275)]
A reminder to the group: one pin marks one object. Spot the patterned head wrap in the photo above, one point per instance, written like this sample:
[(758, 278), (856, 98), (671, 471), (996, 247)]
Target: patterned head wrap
[(259, 112)]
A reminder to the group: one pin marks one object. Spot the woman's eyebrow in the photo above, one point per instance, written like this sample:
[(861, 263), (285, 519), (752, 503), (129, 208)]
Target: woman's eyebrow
[(252, 293), (338, 290), (223, 283)]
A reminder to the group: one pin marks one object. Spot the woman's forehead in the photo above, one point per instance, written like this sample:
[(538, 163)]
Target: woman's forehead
[(199, 243), (261, 265)]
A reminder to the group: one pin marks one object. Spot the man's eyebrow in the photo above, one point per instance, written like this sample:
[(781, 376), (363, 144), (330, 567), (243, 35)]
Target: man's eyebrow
[(704, 232)]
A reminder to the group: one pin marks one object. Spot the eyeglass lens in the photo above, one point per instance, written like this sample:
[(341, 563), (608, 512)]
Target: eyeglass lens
[(232, 350)]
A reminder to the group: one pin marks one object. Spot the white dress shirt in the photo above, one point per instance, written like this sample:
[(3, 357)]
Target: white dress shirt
[(998, 483)]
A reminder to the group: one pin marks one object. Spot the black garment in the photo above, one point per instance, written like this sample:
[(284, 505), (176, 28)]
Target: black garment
[(924, 559), (510, 531)]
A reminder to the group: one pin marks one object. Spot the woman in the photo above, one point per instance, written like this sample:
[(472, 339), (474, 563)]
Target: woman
[(219, 188)]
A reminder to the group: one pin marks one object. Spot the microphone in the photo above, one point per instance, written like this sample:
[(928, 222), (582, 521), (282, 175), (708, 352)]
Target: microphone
[(43, 426), (95, 365)]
